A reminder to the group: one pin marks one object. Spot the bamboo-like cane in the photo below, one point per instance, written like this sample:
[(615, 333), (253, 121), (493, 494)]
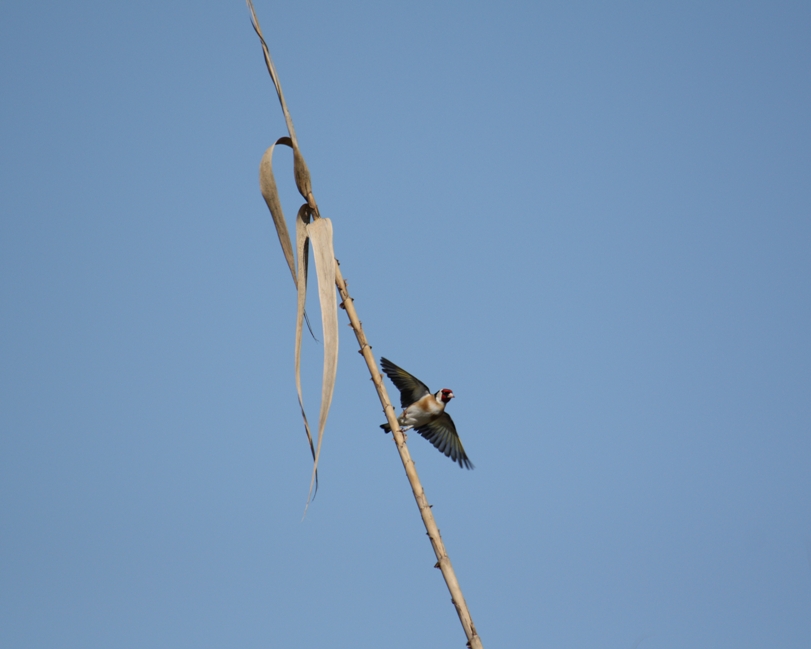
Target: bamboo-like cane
[(443, 560)]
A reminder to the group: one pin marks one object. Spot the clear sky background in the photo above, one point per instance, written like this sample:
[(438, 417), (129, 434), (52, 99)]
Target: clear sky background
[(589, 220)]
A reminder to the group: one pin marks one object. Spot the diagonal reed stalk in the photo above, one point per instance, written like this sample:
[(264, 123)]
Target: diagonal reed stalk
[(443, 560), (313, 229)]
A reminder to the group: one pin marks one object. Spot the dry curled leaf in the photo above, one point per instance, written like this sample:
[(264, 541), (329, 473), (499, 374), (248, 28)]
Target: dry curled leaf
[(267, 184), (320, 234), (302, 255)]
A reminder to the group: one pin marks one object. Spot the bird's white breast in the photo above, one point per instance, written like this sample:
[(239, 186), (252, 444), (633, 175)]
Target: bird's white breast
[(422, 411)]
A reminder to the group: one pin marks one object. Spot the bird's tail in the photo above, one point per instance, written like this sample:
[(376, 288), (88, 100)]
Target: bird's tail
[(386, 427)]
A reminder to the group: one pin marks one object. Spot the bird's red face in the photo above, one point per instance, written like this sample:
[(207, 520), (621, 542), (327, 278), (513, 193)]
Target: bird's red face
[(445, 395)]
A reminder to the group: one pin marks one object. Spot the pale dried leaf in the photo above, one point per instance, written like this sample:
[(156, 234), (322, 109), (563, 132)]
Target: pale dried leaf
[(302, 175), (267, 184), (273, 75), (302, 254), (320, 233), (301, 172)]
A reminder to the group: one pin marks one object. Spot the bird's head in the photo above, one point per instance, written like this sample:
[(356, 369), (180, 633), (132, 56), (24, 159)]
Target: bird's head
[(444, 395)]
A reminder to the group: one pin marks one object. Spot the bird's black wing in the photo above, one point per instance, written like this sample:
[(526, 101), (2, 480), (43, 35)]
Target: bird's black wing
[(410, 387), (441, 432)]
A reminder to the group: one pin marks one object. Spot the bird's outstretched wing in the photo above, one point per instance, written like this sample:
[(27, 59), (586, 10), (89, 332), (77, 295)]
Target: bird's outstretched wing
[(410, 387), (441, 432)]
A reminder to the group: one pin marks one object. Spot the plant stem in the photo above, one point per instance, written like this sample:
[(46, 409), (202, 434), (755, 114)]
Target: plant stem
[(443, 560)]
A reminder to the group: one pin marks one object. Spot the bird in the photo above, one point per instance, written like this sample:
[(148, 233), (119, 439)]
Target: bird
[(425, 412)]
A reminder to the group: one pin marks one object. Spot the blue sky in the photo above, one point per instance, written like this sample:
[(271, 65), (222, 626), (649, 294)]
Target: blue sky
[(589, 220)]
